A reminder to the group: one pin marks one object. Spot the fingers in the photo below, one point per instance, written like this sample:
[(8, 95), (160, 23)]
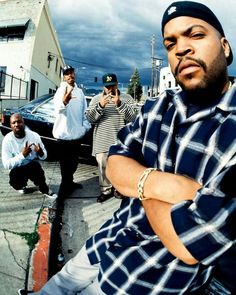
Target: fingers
[(69, 88), (104, 99), (28, 145), (37, 148)]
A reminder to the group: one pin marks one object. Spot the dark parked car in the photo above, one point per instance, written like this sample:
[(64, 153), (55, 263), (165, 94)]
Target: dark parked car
[(39, 116)]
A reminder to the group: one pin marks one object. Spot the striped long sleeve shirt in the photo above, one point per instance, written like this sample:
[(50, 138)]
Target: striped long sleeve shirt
[(109, 120)]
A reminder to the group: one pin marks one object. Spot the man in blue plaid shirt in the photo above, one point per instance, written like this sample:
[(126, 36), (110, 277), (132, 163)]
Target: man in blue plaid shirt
[(175, 165)]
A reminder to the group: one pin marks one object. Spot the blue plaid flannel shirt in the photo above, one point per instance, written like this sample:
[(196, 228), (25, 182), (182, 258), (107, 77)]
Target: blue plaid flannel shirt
[(203, 146)]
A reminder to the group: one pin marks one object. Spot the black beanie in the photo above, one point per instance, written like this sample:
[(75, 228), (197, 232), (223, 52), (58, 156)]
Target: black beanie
[(196, 10)]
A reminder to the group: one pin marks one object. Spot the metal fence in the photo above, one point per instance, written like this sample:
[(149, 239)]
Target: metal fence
[(13, 91), (12, 87)]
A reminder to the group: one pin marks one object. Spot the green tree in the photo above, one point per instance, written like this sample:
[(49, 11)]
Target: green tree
[(135, 87)]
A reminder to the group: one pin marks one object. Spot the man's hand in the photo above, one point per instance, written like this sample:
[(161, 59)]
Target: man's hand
[(159, 216), (110, 96), (105, 99), (69, 89), (38, 150), (116, 98), (27, 149), (68, 94)]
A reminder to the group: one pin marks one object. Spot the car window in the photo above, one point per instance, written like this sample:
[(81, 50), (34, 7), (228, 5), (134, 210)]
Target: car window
[(46, 110)]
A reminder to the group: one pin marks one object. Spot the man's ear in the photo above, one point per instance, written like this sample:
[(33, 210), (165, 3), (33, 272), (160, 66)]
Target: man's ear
[(226, 47)]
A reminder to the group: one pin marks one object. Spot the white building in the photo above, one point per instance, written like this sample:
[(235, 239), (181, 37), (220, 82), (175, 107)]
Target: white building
[(167, 80), (31, 57)]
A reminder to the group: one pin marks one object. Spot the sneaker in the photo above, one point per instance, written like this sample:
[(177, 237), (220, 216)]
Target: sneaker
[(24, 190), (51, 195), (102, 198)]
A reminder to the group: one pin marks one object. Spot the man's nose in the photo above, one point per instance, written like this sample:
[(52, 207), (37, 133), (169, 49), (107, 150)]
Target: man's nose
[(183, 48)]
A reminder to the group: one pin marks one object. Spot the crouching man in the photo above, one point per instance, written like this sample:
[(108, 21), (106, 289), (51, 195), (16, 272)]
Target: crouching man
[(21, 149)]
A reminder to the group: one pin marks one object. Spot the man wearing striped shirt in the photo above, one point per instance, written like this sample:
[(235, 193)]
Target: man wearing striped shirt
[(109, 112)]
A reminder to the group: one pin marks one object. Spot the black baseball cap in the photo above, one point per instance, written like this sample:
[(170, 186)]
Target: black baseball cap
[(196, 10), (109, 79), (67, 69)]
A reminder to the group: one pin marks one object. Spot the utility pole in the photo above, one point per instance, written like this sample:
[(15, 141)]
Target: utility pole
[(153, 63), (158, 66)]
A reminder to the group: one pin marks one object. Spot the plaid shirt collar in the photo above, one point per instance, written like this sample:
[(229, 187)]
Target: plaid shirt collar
[(226, 104)]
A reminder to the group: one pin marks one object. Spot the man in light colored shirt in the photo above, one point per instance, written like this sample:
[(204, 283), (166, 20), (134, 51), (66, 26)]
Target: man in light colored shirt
[(21, 148), (70, 126)]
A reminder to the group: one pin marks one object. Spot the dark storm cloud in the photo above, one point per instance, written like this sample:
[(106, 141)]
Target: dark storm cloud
[(110, 35)]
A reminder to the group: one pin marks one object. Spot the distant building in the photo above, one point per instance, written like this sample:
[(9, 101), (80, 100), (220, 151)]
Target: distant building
[(167, 80), (31, 58)]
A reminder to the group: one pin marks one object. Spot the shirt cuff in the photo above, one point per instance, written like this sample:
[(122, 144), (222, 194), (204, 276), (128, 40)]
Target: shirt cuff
[(99, 108)]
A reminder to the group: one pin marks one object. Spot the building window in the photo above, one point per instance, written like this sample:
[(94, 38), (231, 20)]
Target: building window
[(11, 30), (34, 85), (3, 71), (56, 65), (50, 59), (61, 72), (51, 91)]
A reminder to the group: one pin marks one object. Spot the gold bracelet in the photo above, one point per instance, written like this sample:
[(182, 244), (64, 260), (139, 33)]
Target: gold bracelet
[(141, 182)]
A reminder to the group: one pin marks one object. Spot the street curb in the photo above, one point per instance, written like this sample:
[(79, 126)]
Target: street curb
[(38, 274)]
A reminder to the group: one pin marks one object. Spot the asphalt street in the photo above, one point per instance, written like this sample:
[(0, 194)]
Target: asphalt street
[(19, 216)]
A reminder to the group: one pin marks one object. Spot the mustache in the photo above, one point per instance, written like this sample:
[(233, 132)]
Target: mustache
[(198, 61)]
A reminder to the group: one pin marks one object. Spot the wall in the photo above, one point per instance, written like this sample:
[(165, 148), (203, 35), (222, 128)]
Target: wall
[(43, 49), (167, 79), (28, 58)]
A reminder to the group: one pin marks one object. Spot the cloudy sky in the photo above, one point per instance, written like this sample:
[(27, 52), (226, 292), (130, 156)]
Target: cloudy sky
[(99, 36)]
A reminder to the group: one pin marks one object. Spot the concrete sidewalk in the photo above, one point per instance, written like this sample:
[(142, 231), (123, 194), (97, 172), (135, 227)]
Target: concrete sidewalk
[(23, 259), (82, 215), (21, 217)]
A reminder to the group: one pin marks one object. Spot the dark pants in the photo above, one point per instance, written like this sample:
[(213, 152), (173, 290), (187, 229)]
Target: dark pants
[(33, 171), (68, 158)]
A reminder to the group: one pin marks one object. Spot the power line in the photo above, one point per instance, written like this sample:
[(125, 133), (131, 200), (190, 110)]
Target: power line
[(96, 65)]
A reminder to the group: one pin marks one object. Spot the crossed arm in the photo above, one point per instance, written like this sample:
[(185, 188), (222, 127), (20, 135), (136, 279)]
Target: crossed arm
[(163, 189)]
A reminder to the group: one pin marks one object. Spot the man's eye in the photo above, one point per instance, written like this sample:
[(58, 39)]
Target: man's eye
[(198, 35), (169, 45)]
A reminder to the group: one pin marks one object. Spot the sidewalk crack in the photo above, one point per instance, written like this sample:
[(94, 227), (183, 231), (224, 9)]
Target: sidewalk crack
[(11, 251)]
